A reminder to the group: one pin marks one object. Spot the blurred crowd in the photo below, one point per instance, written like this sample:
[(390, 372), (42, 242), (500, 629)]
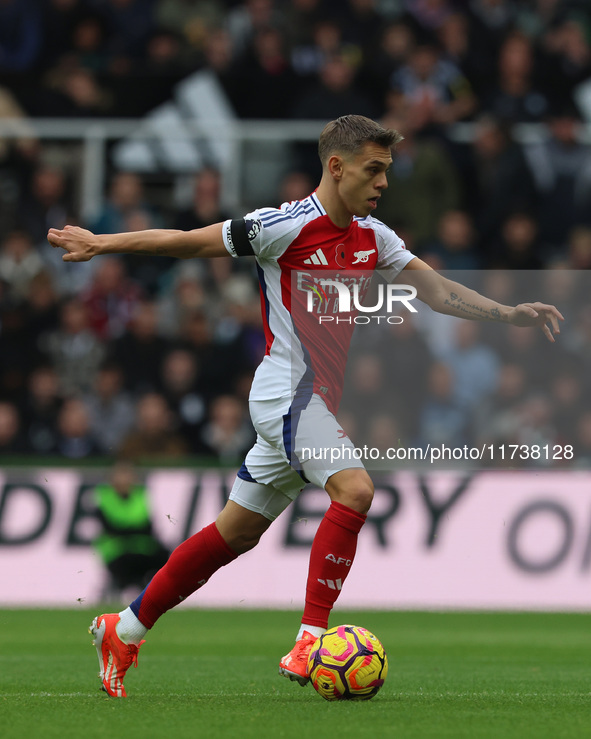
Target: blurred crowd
[(149, 357)]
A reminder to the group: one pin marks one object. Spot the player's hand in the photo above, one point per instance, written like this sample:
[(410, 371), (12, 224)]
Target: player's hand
[(537, 314), (78, 243)]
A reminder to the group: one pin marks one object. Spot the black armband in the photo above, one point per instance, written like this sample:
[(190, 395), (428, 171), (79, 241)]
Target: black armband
[(239, 238)]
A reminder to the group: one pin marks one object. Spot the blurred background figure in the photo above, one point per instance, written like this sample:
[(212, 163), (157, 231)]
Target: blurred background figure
[(443, 419), (422, 186), (75, 437), (456, 246), (19, 264), (126, 195), (229, 434), (73, 349), (154, 434), (127, 545), (41, 410), (110, 408), (561, 167), (497, 178), (516, 96), (11, 440)]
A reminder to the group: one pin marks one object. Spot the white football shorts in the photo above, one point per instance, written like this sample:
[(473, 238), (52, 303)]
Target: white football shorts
[(297, 442)]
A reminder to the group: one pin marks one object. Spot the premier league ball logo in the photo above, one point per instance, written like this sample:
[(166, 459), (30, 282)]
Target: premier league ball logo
[(252, 228)]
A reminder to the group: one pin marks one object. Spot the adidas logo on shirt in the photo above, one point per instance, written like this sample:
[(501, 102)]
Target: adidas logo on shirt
[(316, 258)]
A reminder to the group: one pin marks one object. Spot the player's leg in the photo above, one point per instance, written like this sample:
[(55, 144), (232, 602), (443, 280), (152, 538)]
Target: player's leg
[(333, 549), (237, 529), (331, 557), (335, 544)]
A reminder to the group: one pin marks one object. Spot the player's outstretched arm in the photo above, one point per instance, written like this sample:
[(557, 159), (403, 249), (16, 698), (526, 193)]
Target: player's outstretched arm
[(455, 299), (80, 245)]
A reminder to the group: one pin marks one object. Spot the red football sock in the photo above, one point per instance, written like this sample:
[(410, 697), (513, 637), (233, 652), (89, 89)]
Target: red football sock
[(189, 567), (333, 551)]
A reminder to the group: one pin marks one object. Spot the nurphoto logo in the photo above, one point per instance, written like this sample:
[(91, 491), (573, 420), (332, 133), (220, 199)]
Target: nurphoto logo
[(327, 297)]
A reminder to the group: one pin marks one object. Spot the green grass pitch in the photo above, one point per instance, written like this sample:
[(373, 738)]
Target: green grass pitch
[(214, 674)]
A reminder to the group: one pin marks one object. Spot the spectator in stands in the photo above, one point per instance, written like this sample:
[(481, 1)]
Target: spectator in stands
[(475, 367), (239, 328), (19, 264), (443, 419), (130, 23), (221, 359), (75, 438), (11, 437), (368, 392), (206, 208), (387, 57), (527, 353), (185, 392), (455, 246), (73, 91), (17, 353), (88, 40), (295, 185), (423, 185), (42, 308), (127, 545), (579, 248), (516, 97), (404, 353), (490, 23), (229, 434), (579, 338), (325, 40), (140, 350), (385, 432), (46, 204), (60, 18), (192, 20), (569, 286), (496, 419), (73, 349), (267, 79), (154, 434), (428, 16), (152, 76), (20, 35), (11, 112), (498, 180), (110, 408), (41, 411), (111, 299), (568, 399), (432, 89), (148, 275), (561, 166), (536, 427), (335, 93), (164, 65), (219, 56), (460, 48), (126, 195), (568, 56), (582, 444), (301, 19), (519, 246), (251, 16), (185, 294), (362, 25), (17, 157)]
